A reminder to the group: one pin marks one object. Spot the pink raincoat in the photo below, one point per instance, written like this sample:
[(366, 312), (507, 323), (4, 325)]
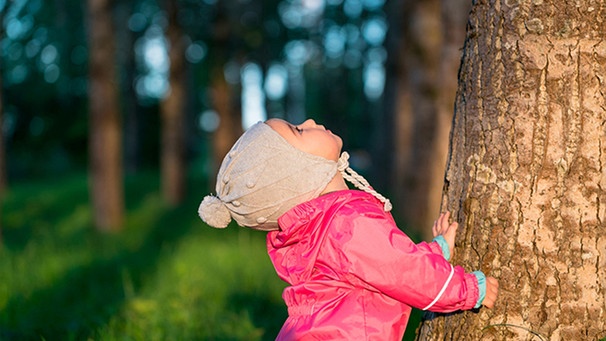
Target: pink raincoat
[(354, 275)]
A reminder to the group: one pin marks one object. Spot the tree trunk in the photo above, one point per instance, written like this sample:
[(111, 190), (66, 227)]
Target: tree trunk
[(432, 34), (230, 120), (224, 96), (131, 126), (525, 175), (173, 114), (3, 167), (105, 127)]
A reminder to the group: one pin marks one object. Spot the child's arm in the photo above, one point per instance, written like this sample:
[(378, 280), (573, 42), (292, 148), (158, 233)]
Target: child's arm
[(444, 234), (388, 260)]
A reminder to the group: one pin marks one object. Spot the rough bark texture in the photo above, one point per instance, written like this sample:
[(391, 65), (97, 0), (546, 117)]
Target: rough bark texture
[(105, 142), (526, 175), (173, 115)]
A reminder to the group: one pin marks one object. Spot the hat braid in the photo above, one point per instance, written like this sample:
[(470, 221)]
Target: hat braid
[(359, 181)]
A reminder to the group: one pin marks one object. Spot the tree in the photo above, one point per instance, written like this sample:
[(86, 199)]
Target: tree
[(105, 145), (127, 68), (525, 173), (172, 110), (3, 167), (2, 156), (224, 96), (430, 35)]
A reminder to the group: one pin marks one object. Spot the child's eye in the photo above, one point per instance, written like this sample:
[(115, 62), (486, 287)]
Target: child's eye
[(299, 130)]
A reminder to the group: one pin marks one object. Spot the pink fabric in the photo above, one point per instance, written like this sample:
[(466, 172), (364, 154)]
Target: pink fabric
[(354, 275)]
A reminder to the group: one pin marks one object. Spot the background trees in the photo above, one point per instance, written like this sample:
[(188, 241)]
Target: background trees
[(179, 80), (426, 53), (242, 61), (105, 127), (172, 110), (2, 148), (525, 171)]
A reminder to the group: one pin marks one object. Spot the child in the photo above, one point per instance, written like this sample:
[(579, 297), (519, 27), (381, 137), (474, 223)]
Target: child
[(353, 274)]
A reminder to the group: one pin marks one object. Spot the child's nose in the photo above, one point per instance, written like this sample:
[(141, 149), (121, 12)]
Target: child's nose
[(310, 123)]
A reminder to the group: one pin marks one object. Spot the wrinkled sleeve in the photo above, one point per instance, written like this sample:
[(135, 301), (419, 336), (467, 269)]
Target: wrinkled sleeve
[(382, 256)]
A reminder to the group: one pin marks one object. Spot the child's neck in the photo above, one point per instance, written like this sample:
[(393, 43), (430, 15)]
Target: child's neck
[(336, 184)]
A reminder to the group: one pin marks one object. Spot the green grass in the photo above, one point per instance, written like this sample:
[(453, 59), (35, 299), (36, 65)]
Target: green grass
[(166, 277)]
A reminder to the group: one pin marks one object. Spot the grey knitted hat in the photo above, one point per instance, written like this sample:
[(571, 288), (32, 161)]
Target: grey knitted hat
[(263, 176)]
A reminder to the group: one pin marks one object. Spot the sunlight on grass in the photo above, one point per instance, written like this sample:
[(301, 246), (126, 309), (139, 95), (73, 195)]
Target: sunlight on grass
[(167, 276)]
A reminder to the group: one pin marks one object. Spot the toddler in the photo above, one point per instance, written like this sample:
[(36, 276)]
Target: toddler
[(352, 274)]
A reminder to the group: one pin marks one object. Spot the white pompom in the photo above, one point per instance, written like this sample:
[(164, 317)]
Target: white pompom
[(214, 212)]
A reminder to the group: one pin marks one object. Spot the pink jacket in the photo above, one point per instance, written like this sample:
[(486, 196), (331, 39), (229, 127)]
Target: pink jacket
[(354, 275)]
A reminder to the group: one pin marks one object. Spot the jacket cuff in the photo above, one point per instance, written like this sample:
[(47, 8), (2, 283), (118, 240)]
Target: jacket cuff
[(481, 287), (443, 245)]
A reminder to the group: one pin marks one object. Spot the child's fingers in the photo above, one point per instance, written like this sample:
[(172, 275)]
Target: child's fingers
[(442, 225), (441, 222), (437, 226), (452, 228), (445, 220), (492, 291), (434, 229)]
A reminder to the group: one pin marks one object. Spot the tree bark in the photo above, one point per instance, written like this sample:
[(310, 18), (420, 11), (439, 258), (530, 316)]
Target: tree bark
[(173, 114), (105, 145), (525, 175)]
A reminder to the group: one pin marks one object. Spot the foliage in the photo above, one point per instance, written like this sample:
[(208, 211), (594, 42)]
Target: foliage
[(325, 47), (166, 277)]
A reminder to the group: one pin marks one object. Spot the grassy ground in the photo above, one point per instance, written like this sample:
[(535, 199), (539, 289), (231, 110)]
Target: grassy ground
[(166, 277)]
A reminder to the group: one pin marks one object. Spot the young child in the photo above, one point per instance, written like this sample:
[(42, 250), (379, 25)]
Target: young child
[(352, 274)]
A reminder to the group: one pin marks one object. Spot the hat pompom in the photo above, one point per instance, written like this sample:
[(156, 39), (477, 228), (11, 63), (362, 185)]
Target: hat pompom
[(214, 212)]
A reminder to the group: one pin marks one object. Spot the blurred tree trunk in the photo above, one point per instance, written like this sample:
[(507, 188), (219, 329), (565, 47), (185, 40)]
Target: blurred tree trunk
[(525, 173), (431, 35), (230, 120), (125, 39), (105, 125), (172, 110), (224, 96), (3, 168)]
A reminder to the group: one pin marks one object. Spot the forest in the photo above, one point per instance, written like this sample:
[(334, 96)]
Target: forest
[(180, 80), (115, 116)]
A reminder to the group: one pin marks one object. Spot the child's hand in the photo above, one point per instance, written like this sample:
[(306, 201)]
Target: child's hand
[(492, 290), (442, 227)]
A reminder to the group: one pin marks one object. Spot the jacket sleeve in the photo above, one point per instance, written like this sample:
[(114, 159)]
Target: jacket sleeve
[(379, 254)]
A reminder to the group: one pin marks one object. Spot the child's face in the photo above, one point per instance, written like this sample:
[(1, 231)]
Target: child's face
[(309, 137)]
